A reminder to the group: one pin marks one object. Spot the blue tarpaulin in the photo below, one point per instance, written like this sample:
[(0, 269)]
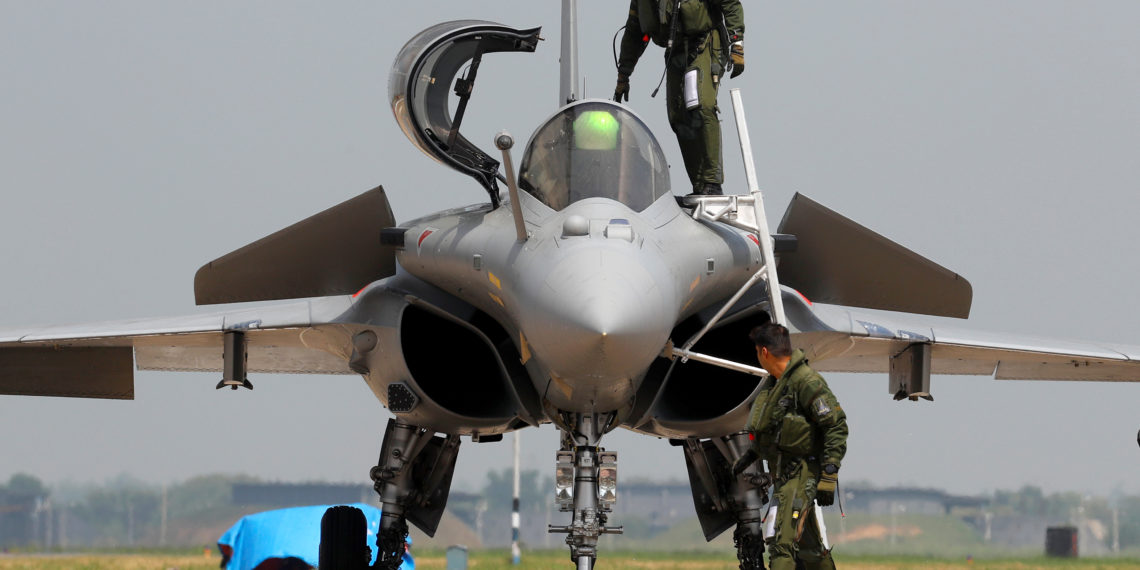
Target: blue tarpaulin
[(287, 533)]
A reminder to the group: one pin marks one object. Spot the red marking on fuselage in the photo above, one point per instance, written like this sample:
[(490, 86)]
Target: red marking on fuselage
[(804, 297), (424, 236), (754, 239)]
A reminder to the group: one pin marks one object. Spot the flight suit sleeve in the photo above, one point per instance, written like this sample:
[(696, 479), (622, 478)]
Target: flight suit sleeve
[(733, 14), (632, 42), (819, 405)]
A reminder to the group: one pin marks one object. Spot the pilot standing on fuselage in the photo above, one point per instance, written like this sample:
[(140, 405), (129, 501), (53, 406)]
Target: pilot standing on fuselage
[(707, 35), (798, 427)]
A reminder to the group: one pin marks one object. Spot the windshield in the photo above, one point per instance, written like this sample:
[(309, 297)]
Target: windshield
[(594, 149)]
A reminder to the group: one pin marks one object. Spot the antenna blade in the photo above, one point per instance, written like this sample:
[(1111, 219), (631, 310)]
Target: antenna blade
[(568, 82)]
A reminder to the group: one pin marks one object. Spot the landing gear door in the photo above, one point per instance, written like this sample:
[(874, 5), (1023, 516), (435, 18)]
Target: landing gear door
[(706, 468), (425, 75)]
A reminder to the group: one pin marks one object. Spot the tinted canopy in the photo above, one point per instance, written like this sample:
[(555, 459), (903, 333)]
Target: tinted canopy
[(421, 82), (592, 149)]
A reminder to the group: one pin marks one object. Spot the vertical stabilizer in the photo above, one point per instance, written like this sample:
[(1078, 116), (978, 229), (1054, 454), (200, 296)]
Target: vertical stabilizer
[(568, 82)]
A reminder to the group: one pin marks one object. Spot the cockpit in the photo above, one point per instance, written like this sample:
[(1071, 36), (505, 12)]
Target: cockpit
[(594, 149)]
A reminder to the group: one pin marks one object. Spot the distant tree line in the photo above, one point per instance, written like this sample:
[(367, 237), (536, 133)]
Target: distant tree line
[(122, 512), (1032, 501), (126, 512), (20, 500)]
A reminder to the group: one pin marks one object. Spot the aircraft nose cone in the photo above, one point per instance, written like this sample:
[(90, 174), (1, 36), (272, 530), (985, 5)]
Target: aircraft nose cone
[(601, 318)]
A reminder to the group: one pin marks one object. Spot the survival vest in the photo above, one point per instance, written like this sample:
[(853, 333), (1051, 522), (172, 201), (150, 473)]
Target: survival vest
[(776, 424), (656, 17)]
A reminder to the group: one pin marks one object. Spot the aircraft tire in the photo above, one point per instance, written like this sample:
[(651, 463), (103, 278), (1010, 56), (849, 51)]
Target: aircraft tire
[(749, 549), (344, 539)]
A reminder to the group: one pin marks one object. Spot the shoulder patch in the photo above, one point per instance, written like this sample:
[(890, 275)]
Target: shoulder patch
[(821, 408)]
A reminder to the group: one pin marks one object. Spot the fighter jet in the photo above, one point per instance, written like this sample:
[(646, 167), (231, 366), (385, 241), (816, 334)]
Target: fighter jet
[(582, 294)]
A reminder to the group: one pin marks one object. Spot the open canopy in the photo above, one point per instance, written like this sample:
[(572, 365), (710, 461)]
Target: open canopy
[(421, 82)]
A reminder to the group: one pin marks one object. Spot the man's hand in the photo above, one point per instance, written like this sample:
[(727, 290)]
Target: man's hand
[(736, 55), (622, 89), (744, 462), (828, 482)]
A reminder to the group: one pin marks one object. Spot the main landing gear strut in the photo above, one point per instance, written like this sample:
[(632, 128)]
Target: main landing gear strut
[(413, 478), (722, 499)]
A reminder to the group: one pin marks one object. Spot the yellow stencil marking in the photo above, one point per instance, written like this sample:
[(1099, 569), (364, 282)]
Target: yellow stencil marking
[(495, 281), (562, 386), (694, 284), (525, 348), (497, 299)]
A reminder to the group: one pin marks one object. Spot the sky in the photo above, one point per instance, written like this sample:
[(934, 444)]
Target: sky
[(140, 140)]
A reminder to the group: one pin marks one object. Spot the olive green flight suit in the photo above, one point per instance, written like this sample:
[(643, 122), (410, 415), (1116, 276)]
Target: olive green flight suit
[(797, 426), (698, 45)]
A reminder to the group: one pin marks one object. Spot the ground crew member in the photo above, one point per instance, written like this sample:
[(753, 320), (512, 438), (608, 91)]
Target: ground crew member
[(797, 426), (706, 38)]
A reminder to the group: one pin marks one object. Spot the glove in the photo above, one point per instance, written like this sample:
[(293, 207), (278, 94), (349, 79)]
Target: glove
[(622, 89), (828, 482), (744, 462), (736, 55)]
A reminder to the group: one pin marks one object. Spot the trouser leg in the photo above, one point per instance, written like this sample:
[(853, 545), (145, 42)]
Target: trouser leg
[(782, 546), (812, 553), (678, 120), (797, 535), (697, 129)]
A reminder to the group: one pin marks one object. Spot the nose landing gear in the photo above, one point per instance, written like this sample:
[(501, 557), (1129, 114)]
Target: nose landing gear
[(586, 486)]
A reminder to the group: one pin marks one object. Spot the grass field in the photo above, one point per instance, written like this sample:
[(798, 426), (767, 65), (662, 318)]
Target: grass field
[(434, 560)]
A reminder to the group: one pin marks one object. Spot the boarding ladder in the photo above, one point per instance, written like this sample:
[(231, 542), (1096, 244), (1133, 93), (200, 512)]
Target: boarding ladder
[(745, 212)]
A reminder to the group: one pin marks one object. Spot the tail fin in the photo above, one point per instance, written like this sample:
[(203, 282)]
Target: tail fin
[(837, 261), (335, 252)]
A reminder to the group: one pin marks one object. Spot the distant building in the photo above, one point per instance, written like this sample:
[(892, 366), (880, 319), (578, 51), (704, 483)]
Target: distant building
[(281, 495), (910, 500), (657, 506), (662, 505)]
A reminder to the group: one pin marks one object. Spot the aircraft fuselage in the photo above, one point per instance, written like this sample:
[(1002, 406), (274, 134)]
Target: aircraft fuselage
[(592, 295)]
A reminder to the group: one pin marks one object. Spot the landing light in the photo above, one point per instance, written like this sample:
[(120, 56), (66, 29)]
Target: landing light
[(564, 481), (607, 479)]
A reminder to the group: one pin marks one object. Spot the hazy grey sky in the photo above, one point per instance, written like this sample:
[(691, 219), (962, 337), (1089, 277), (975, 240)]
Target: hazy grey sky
[(139, 140)]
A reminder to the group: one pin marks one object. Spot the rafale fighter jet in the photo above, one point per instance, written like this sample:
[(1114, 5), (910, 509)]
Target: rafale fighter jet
[(577, 297)]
